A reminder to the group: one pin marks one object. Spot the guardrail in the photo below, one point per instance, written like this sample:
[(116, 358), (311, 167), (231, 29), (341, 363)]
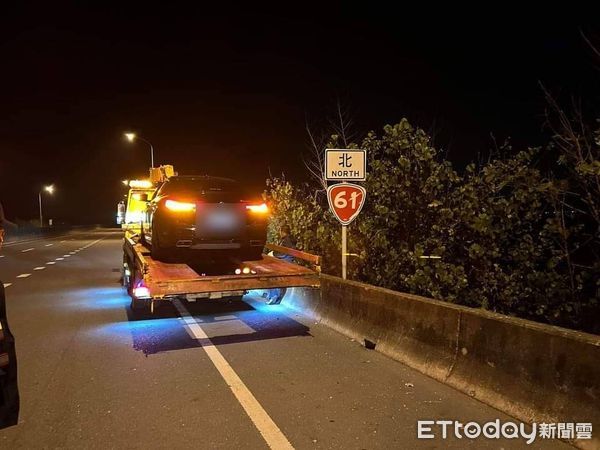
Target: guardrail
[(534, 372)]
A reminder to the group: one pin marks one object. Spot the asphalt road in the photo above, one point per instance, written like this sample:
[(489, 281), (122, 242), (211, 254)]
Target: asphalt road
[(214, 374)]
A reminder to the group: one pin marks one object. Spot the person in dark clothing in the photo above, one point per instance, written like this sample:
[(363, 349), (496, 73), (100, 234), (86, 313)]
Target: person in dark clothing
[(9, 390), (285, 240)]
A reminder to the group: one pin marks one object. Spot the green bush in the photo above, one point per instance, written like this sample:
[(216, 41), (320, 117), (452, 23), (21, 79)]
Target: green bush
[(499, 231)]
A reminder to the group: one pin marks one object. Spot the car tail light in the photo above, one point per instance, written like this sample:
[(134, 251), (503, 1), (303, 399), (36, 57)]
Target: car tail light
[(258, 209), (174, 205)]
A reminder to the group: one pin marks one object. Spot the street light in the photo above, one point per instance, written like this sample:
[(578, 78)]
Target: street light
[(50, 190), (132, 137)]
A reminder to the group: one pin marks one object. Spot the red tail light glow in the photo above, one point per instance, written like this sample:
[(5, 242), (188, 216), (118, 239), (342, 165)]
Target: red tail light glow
[(174, 205)]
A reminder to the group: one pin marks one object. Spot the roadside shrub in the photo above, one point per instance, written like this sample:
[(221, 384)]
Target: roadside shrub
[(496, 237)]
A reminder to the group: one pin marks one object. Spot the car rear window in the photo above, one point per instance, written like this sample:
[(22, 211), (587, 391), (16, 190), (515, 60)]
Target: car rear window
[(202, 186)]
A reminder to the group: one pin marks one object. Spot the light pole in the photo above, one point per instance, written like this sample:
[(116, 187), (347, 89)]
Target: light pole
[(132, 137), (50, 190)]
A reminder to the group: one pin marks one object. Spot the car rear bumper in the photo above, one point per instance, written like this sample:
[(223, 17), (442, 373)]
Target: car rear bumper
[(185, 238)]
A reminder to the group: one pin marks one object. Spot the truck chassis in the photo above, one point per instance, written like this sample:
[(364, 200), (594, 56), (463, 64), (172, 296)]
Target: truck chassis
[(148, 281)]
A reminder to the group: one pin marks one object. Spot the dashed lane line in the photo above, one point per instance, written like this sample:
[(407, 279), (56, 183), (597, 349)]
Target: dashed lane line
[(263, 422), (26, 275), (6, 284), (27, 250), (49, 245)]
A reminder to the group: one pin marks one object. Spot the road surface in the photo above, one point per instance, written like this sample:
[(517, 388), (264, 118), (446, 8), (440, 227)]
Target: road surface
[(214, 374)]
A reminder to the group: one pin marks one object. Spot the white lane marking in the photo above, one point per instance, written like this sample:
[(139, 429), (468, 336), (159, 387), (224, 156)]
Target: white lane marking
[(50, 263), (49, 245), (27, 250), (24, 275), (1, 256), (62, 241), (39, 268), (266, 427), (67, 256), (59, 259), (6, 284), (37, 239), (72, 253)]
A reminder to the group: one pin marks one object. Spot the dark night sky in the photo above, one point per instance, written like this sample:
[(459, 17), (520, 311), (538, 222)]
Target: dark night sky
[(227, 93)]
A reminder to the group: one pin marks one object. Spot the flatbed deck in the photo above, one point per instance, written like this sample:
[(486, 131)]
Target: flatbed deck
[(162, 280)]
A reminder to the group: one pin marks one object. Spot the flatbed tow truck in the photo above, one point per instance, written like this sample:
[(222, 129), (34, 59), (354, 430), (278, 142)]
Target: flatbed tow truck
[(149, 281)]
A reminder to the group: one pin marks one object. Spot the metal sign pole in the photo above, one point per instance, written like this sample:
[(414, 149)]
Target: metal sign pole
[(345, 199), (344, 250)]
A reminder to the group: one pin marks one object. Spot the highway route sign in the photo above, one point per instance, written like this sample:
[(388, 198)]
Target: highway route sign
[(346, 201), (345, 164)]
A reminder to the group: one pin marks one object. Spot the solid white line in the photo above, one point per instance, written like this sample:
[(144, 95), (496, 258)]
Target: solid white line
[(39, 268), (7, 284), (24, 275), (28, 250), (266, 427), (50, 263)]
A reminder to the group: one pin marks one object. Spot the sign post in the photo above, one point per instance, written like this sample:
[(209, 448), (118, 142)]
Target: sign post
[(344, 251), (345, 199)]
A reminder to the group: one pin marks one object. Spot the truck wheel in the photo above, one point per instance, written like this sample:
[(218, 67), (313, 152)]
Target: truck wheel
[(138, 305), (126, 279)]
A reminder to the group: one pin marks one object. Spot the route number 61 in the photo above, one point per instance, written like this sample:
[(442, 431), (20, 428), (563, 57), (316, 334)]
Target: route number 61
[(346, 201)]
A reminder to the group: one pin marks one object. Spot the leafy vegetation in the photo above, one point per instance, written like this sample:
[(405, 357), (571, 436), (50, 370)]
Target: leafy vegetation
[(506, 236)]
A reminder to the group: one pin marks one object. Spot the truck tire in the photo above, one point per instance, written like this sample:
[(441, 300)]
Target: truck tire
[(138, 305)]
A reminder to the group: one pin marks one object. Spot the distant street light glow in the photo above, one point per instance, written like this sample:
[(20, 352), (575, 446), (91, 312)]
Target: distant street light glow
[(132, 137), (50, 190)]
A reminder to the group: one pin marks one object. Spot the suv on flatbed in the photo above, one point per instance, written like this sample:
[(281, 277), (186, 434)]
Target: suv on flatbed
[(207, 215)]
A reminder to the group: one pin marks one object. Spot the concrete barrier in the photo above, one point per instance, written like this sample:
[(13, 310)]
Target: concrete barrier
[(533, 372)]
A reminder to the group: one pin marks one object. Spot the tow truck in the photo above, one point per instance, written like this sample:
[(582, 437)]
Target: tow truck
[(150, 281)]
